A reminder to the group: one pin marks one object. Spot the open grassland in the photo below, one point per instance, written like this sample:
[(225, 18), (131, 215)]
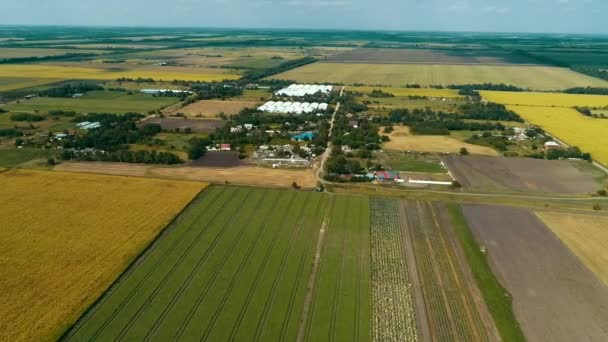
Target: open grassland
[(213, 108), (555, 296), (90, 73), (66, 237), (96, 102), (402, 140), (571, 127), (545, 99), (242, 175), (393, 311), (533, 77), (449, 303), (585, 235), (430, 92), (13, 157), (234, 266), (13, 83), (341, 302)]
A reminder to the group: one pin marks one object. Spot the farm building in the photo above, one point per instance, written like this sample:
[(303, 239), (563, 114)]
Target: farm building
[(299, 90), (306, 136), (552, 145), (159, 91), (292, 107), (387, 176)]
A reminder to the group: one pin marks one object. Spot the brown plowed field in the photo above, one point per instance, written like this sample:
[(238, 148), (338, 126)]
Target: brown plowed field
[(555, 297), (449, 305), (218, 159), (196, 125), (213, 108), (241, 175), (520, 175)]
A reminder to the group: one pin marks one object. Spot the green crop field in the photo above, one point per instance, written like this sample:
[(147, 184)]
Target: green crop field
[(12, 157), (235, 265), (341, 309), (96, 102), (533, 77)]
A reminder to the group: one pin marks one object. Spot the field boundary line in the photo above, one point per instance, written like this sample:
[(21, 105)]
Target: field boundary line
[(242, 265), (300, 269), (167, 276), (142, 257), (311, 292), (268, 303), (197, 266)]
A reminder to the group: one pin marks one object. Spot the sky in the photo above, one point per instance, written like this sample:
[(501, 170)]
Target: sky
[(550, 16)]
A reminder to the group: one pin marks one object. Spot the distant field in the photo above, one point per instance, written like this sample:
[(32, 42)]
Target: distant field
[(66, 237), (13, 83), (545, 99), (571, 127), (75, 72), (212, 108), (430, 92), (402, 140), (533, 77), (96, 102), (6, 53), (424, 56), (585, 235)]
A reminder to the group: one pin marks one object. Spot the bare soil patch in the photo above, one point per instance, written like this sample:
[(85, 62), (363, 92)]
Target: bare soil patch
[(241, 175), (213, 108), (555, 297), (520, 175), (196, 125), (218, 159)]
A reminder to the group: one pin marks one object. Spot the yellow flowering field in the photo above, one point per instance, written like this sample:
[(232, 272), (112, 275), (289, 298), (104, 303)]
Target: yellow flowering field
[(87, 73), (570, 126), (66, 237), (545, 99)]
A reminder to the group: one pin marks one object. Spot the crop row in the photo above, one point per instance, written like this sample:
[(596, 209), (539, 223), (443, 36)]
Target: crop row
[(393, 312), (451, 312)]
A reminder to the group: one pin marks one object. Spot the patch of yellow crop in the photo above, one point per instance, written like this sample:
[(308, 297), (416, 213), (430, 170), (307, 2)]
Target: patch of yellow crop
[(585, 235), (66, 237), (430, 92), (571, 127), (545, 99), (72, 72)]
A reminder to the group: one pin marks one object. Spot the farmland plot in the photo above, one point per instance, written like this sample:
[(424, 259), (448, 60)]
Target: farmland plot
[(393, 315), (341, 306), (233, 267), (442, 283), (555, 297)]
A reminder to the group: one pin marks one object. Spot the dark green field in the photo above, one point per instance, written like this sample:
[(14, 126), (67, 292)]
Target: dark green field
[(235, 266)]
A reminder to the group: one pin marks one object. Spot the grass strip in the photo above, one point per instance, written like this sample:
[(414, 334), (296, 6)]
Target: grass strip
[(495, 295)]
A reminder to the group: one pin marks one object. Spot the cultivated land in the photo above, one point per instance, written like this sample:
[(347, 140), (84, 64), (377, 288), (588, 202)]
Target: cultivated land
[(89, 73), (489, 174), (545, 99), (6, 53), (416, 56), (571, 127), (402, 140), (235, 265), (585, 235), (533, 77), (66, 237), (96, 102), (243, 175), (196, 125), (213, 108), (430, 92), (555, 297), (14, 157), (12, 83), (341, 300), (449, 305)]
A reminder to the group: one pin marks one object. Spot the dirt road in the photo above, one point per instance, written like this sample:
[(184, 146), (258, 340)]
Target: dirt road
[(327, 153)]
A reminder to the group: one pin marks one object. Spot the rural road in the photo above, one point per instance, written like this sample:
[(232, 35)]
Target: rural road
[(327, 153)]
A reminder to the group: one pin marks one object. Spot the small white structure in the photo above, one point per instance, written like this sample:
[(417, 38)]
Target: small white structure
[(299, 90)]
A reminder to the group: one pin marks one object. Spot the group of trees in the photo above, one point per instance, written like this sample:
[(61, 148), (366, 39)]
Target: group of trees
[(123, 156), (68, 90), (258, 74), (587, 90), (26, 117), (488, 111)]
